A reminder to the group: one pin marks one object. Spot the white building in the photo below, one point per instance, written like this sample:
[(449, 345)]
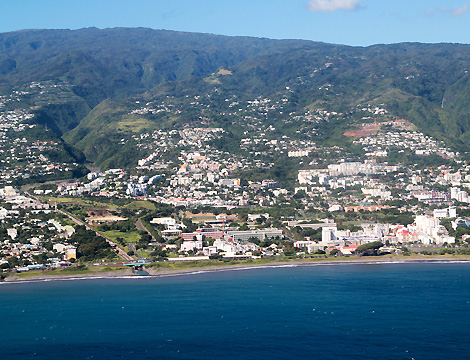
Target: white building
[(328, 234), (164, 221), (426, 224), (3, 213), (259, 234), (298, 153), (12, 232), (60, 248), (335, 207), (188, 245), (209, 250), (450, 212)]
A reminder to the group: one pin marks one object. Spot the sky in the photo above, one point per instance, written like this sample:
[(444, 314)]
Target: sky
[(348, 22)]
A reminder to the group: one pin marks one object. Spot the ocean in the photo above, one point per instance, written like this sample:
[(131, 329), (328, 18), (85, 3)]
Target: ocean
[(354, 311)]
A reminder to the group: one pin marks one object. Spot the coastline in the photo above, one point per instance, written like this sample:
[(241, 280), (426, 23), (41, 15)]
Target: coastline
[(163, 272)]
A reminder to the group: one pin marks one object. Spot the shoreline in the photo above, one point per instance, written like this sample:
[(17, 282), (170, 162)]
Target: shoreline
[(165, 272)]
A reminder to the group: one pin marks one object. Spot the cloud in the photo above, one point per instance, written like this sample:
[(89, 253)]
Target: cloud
[(446, 10), (333, 5), (460, 11)]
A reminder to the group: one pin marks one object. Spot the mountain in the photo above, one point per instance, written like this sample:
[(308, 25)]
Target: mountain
[(108, 71), (120, 62), (117, 63)]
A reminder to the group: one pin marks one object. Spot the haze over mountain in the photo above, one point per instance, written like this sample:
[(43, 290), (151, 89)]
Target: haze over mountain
[(109, 70)]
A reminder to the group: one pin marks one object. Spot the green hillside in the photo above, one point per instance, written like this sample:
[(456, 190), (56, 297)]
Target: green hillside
[(112, 72)]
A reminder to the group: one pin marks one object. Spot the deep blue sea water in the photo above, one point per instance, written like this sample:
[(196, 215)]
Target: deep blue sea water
[(383, 311)]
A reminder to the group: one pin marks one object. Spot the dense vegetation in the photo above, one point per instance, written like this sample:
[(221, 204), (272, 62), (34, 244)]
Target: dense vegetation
[(426, 84), (90, 246)]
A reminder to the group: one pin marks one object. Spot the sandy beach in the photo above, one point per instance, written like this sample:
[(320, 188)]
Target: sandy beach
[(156, 272)]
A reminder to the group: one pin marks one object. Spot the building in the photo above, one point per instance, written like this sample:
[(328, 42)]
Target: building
[(335, 207), (136, 189), (270, 184), (70, 252), (460, 222), (328, 234), (298, 153), (345, 250), (259, 234), (365, 207), (229, 182), (189, 245), (12, 232), (209, 250), (450, 212), (164, 221)]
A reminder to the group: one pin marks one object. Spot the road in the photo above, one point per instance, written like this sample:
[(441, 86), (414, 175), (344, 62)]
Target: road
[(138, 225), (131, 247), (121, 252)]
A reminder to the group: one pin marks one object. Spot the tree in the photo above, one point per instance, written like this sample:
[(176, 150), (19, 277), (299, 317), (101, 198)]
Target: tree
[(159, 254), (190, 226), (244, 227), (209, 241), (254, 240), (145, 239), (335, 252), (261, 220), (369, 248)]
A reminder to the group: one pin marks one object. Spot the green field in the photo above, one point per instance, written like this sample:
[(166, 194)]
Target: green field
[(86, 203), (92, 203), (144, 254), (134, 124), (141, 204), (129, 236)]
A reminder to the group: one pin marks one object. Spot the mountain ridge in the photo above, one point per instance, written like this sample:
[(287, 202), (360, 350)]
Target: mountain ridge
[(425, 83)]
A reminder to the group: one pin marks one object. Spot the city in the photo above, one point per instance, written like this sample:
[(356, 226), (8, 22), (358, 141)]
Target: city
[(216, 209), (234, 180)]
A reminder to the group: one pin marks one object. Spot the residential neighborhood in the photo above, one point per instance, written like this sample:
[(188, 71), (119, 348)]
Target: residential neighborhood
[(336, 199)]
